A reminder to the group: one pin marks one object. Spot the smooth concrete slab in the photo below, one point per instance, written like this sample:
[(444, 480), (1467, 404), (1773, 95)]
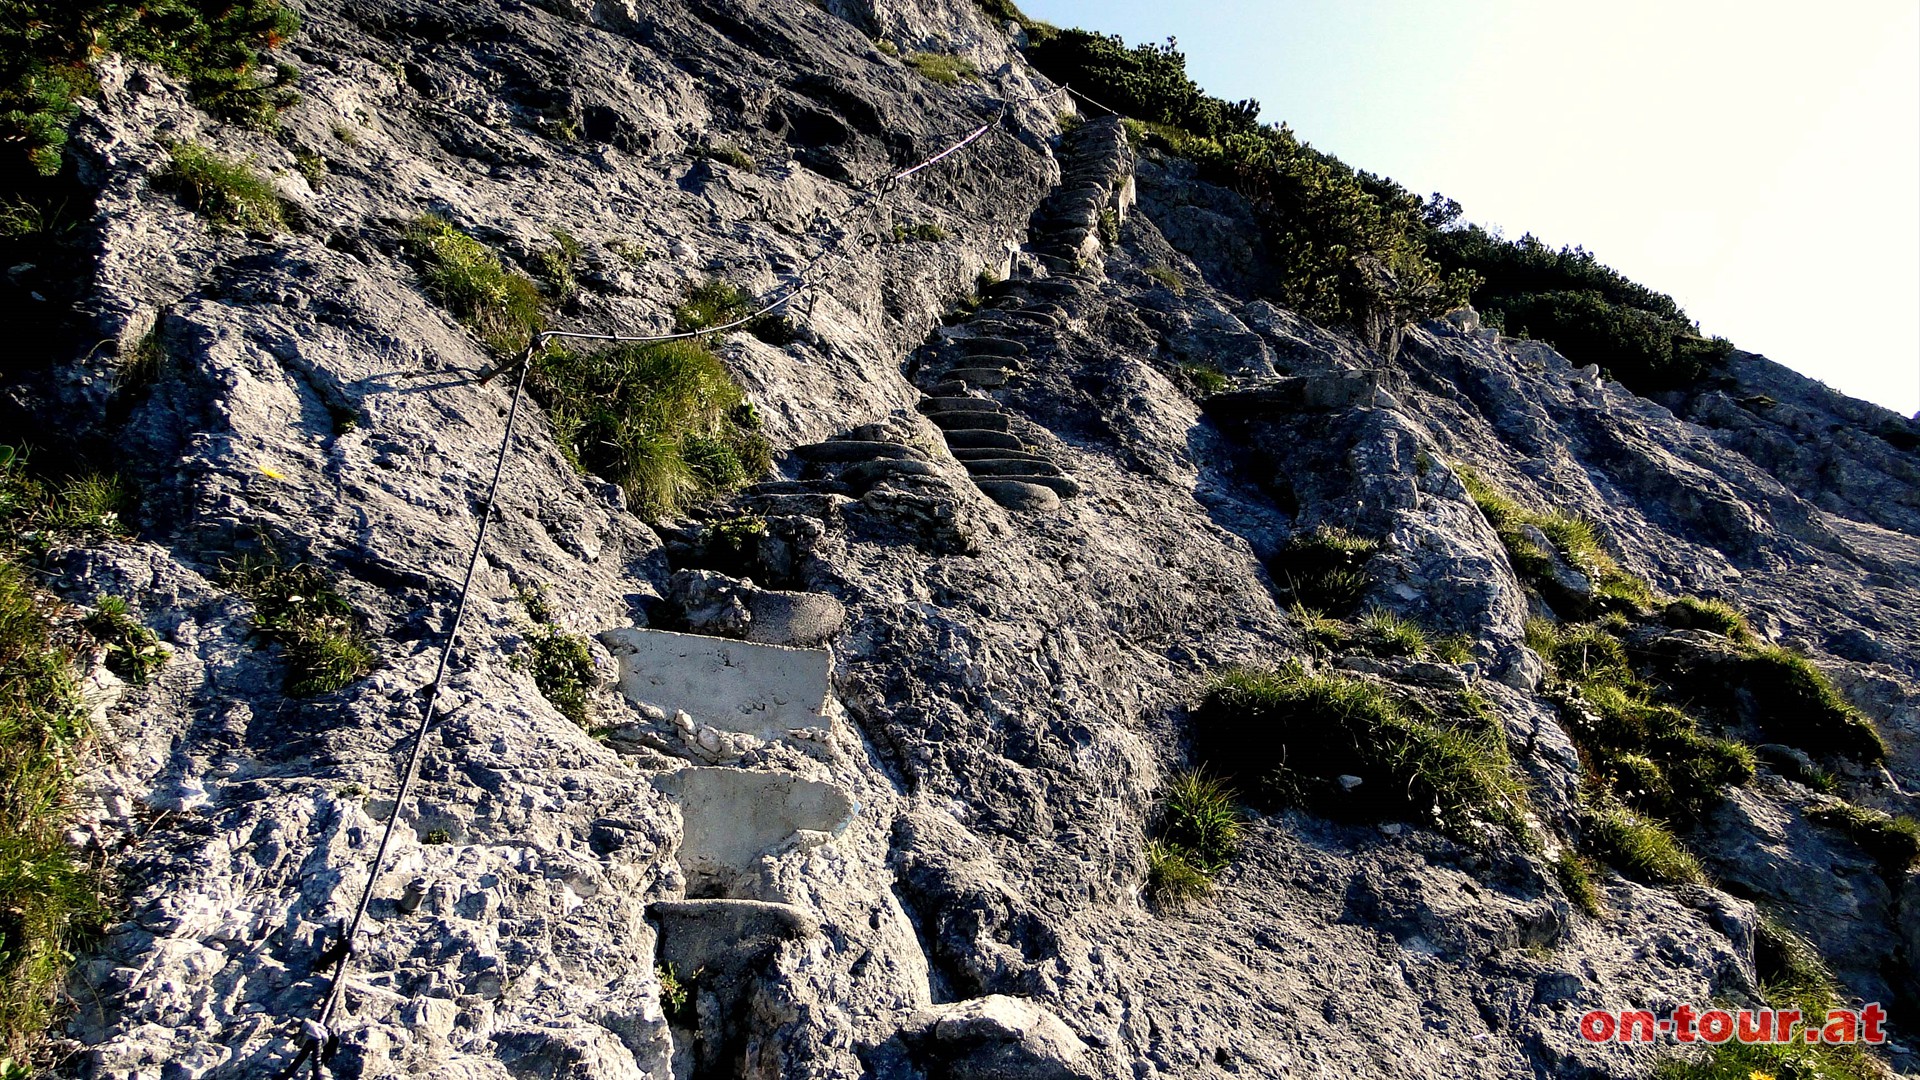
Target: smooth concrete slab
[(730, 818), (761, 690)]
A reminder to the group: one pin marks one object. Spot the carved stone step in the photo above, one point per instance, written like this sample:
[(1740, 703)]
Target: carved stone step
[(838, 450), (931, 405), (974, 421), (994, 453), (732, 818), (1019, 467), (1065, 486), (866, 474), (1017, 495), (823, 505), (973, 439), (975, 376), (1004, 363), (990, 346)]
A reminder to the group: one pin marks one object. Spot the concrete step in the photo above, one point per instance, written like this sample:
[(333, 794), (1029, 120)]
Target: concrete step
[(990, 346), (972, 421), (825, 506), (975, 439), (986, 378), (1065, 486), (1016, 495), (1002, 363), (839, 450), (867, 474), (994, 453), (963, 403), (1012, 466)]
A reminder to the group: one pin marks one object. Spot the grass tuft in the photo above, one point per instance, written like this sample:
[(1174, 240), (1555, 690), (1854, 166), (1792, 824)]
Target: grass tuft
[(1792, 976), (666, 422), (1575, 874), (1168, 276), (224, 191), (501, 305), (1205, 379), (925, 231), (1288, 736), (1892, 841), (1574, 539), (1324, 569), (296, 605), (561, 663), (1641, 848), (133, 651), (1386, 634), (1796, 703), (1717, 616), (728, 154), (716, 303), (1172, 881), (943, 69), (1200, 829)]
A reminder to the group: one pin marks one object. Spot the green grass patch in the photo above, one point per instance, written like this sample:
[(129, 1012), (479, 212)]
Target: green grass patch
[(1288, 736), (1168, 276), (1714, 616), (224, 191), (925, 231), (1576, 876), (561, 663), (132, 650), (296, 605), (729, 154), (1172, 881), (501, 305), (666, 422), (1385, 634), (50, 901), (942, 68), (1574, 539), (216, 46), (1640, 847), (1796, 703), (555, 266), (1792, 976), (1200, 828), (1649, 754), (1205, 379), (676, 995), (1324, 569), (714, 303), (1323, 633), (1893, 841)]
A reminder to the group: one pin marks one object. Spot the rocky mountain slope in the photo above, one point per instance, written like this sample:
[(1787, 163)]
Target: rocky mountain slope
[(1029, 527)]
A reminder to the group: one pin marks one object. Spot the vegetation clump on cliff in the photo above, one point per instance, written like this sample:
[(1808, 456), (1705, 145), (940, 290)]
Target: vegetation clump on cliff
[(1299, 739), (666, 422), (50, 899)]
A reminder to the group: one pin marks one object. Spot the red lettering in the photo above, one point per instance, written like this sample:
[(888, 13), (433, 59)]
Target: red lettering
[(1842, 1027), (1638, 1027), (1597, 1026), (1756, 1025), (1783, 1022), (1716, 1026), (1871, 1017), (1683, 1023)]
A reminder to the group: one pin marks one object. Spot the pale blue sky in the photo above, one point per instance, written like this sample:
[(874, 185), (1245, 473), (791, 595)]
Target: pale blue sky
[(1758, 160)]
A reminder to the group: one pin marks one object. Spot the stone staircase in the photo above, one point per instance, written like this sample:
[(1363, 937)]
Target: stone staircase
[(961, 368)]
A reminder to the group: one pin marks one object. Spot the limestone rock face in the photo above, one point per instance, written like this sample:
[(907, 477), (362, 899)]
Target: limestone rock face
[(866, 790)]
